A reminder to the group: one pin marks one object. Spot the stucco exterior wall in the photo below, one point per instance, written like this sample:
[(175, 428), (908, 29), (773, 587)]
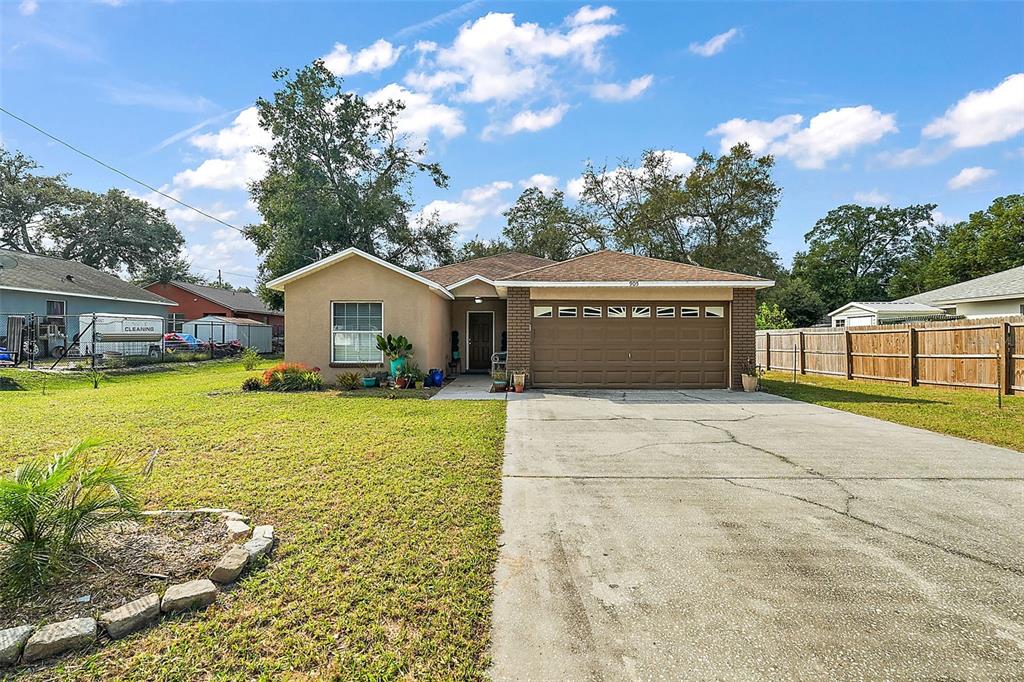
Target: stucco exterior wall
[(476, 288), (410, 308), (632, 293), (463, 305)]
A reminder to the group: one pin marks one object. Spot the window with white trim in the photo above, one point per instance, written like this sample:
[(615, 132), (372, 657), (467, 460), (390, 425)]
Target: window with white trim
[(567, 311), (616, 311), (175, 322), (689, 311), (542, 311), (840, 322), (666, 311), (714, 311), (592, 311), (641, 311), (354, 330)]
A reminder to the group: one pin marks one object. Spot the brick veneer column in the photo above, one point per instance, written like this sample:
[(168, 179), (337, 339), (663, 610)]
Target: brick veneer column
[(518, 331), (743, 344)]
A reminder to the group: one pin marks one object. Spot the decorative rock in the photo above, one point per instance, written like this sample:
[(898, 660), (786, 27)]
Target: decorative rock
[(180, 513), (230, 566), (263, 532), (191, 595), (237, 530), (235, 516), (211, 510), (131, 617), (57, 638), (258, 547), (12, 641)]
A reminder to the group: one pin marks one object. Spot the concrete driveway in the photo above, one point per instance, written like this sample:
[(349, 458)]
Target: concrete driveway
[(669, 535)]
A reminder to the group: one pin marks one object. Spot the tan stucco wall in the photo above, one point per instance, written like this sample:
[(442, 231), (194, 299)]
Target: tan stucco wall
[(475, 288), (632, 293), (410, 309), (458, 321)]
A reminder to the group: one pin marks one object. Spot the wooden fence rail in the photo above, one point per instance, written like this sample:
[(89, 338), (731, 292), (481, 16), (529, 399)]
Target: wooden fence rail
[(980, 354)]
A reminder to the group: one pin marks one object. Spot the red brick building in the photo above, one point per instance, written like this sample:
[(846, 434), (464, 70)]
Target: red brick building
[(195, 301)]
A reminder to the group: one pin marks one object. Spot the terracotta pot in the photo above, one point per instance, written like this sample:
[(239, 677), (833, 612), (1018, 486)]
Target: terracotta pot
[(401, 382), (519, 388), (749, 383)]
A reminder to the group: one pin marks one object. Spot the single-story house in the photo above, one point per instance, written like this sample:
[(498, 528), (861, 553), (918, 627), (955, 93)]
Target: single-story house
[(193, 301), (996, 295), (57, 291), (605, 319)]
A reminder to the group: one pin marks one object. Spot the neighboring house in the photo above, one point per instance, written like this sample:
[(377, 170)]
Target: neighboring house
[(194, 301), (995, 295), (606, 319), (58, 291)]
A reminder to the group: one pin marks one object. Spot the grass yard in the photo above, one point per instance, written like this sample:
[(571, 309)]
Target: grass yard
[(386, 510), (964, 413)]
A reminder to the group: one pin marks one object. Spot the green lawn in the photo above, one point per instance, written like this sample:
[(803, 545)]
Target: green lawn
[(965, 413), (386, 510)]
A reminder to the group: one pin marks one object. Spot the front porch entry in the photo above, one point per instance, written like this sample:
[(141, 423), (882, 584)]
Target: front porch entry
[(479, 340)]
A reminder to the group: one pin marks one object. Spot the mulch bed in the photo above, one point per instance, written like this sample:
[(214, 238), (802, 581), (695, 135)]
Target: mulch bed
[(123, 564)]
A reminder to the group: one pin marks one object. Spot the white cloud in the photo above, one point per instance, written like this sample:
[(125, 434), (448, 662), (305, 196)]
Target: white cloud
[(235, 164), (528, 121), (544, 183), (433, 81), (617, 92), (372, 59), (826, 136), (679, 163), (497, 59), (421, 115), (225, 250), (969, 176), (715, 45), (983, 116), (591, 15), (28, 7), (475, 205), (871, 198), (165, 99)]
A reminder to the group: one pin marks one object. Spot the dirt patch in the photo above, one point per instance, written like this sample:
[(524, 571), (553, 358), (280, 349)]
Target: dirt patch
[(126, 563)]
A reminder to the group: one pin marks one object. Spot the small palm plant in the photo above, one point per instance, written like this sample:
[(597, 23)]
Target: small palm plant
[(250, 358), (50, 510)]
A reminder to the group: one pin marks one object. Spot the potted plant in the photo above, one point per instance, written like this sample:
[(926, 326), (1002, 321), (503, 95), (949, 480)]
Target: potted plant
[(413, 375), (519, 381), (396, 349), (499, 381), (369, 377), (750, 373)]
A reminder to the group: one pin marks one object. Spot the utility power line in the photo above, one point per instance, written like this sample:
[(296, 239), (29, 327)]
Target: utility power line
[(121, 172)]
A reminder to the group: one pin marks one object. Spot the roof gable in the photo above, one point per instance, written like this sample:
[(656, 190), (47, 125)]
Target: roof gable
[(488, 268), (279, 283), (232, 300), (898, 307), (617, 268), (1005, 284), (45, 274)]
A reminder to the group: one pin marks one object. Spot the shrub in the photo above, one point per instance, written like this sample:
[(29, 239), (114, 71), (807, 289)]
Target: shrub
[(293, 376), (10, 384), (50, 510), (350, 380), (250, 358), (252, 384)]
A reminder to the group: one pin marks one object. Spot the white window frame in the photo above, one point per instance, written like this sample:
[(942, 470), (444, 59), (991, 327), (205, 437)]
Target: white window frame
[(708, 308), (689, 311), (840, 322), (593, 311), (665, 311), (566, 309), (641, 308), (176, 322), (619, 312), (538, 311), (330, 338)]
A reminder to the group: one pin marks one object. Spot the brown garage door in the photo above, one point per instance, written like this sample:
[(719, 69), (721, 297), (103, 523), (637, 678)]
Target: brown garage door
[(630, 345)]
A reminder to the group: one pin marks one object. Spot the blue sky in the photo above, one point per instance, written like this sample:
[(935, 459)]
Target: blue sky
[(860, 102)]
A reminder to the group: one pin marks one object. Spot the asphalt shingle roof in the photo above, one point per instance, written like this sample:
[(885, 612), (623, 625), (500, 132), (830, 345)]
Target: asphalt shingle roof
[(894, 307), (239, 301), (1008, 284), (615, 266), (43, 273), (491, 267)]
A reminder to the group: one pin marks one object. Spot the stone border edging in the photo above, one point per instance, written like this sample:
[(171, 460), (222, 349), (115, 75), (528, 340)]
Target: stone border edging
[(29, 644)]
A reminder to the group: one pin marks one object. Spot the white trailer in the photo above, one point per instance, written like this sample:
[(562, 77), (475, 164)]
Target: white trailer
[(115, 334)]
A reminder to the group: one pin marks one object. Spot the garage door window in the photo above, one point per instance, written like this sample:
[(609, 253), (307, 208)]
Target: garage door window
[(714, 311), (567, 311), (641, 311), (666, 311), (354, 331), (591, 311), (542, 311), (616, 311), (687, 311)]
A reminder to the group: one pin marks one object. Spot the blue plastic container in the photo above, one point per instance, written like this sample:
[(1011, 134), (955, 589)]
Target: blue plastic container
[(435, 377)]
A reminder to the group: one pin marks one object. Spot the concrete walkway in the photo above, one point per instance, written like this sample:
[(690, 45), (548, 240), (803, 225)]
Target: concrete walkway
[(717, 535)]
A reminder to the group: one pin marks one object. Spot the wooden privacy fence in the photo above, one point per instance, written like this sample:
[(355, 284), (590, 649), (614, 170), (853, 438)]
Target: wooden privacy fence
[(985, 354)]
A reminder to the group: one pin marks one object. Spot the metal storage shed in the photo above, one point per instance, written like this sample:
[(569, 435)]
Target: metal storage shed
[(249, 333)]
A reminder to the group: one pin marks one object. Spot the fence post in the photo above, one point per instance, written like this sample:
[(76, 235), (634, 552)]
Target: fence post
[(767, 351), (800, 340), (1005, 346), (912, 355), (849, 354)]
